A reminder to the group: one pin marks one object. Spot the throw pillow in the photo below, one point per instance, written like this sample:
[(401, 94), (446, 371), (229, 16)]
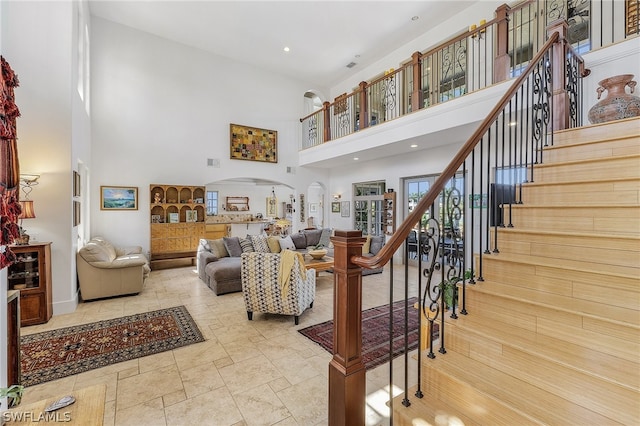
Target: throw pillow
[(274, 243), (218, 249), (312, 236), (232, 244), (300, 240), (377, 242), (246, 245), (367, 245), (260, 243), (324, 237), (286, 243)]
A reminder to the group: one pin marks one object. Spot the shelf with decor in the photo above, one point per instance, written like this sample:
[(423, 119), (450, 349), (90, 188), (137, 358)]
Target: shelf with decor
[(237, 204), (389, 213), (177, 214)]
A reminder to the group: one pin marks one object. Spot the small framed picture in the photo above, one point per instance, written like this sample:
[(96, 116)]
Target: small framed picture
[(313, 207), (118, 198), (76, 184), (76, 213), (155, 218), (191, 216), (345, 209), (335, 207), (174, 218)]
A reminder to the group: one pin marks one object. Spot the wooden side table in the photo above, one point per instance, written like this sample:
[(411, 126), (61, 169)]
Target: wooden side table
[(87, 410)]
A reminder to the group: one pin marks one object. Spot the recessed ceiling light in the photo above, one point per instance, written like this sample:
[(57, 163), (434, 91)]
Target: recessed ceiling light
[(356, 158), (286, 49), (414, 145), (415, 18), (357, 56)]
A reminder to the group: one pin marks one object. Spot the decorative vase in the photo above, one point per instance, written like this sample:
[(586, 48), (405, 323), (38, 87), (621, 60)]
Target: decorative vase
[(618, 104)]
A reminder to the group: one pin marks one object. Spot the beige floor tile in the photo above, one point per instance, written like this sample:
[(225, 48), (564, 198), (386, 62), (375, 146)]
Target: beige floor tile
[(215, 408), (307, 401), (249, 373), (148, 413), (201, 379), (262, 369), (199, 353), (261, 406), (156, 361), (147, 386)]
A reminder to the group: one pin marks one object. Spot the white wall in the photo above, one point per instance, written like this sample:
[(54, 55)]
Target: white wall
[(38, 40), (160, 109)]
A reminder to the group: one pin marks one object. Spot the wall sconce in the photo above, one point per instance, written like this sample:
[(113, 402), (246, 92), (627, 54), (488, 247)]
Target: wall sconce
[(27, 182), (336, 197)]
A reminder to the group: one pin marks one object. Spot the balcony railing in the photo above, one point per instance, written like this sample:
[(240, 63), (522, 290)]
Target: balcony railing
[(471, 60)]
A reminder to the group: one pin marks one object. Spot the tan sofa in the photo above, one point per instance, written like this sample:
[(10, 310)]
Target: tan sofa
[(105, 271)]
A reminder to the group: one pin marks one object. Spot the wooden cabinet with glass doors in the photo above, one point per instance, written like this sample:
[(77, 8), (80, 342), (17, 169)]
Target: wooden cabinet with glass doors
[(31, 275)]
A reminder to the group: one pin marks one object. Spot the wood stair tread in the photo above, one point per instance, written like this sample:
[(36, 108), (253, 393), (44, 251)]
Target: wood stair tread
[(585, 161), (427, 409), (587, 308), (590, 360), (586, 265), (523, 396), (581, 182)]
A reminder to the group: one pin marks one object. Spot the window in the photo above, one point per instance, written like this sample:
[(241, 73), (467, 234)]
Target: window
[(368, 207), (212, 203), (511, 175)]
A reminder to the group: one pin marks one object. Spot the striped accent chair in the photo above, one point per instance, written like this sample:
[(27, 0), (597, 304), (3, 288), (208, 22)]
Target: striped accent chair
[(262, 292)]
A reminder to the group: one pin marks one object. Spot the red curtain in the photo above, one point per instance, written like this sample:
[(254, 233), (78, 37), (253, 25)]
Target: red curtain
[(9, 165)]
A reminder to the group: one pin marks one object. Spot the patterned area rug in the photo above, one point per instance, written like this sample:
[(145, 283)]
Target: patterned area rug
[(59, 353), (375, 333)]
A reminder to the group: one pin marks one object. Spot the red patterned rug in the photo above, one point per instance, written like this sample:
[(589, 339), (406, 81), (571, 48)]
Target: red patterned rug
[(375, 333), (59, 353)]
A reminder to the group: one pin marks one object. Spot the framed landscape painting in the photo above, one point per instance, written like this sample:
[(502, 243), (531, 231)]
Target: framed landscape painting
[(118, 198), (251, 143)]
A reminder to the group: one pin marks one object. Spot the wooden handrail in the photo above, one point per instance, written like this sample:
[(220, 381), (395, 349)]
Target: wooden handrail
[(398, 238)]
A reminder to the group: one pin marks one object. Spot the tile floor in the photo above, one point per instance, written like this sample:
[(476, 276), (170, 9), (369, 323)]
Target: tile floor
[(260, 372)]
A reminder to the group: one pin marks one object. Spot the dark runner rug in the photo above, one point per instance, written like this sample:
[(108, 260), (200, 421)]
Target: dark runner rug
[(375, 333), (59, 353)]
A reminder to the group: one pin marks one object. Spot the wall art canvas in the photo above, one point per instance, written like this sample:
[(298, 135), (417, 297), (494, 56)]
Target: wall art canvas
[(251, 143), (118, 198)]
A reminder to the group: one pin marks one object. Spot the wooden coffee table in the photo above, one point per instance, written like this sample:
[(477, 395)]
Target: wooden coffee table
[(87, 410), (319, 265)]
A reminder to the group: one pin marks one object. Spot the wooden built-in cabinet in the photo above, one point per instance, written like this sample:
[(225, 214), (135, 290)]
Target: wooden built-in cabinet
[(31, 275), (217, 230), (389, 213), (177, 216)]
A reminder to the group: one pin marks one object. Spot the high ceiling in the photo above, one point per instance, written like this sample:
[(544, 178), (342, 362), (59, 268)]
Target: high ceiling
[(323, 36)]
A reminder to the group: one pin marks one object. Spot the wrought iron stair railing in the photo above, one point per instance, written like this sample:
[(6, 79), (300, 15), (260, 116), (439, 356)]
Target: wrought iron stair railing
[(449, 233)]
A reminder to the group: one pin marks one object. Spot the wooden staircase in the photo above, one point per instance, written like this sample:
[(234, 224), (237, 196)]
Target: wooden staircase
[(553, 332)]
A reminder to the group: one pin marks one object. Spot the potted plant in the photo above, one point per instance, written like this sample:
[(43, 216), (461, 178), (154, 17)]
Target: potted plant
[(13, 394), (449, 288)]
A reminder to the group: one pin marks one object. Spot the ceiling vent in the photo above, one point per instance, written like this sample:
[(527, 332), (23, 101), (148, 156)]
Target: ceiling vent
[(351, 64)]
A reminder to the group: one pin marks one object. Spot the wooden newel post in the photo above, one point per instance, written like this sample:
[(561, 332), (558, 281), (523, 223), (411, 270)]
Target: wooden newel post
[(558, 81), (502, 60), (364, 107), (347, 383), (416, 90), (327, 120)]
